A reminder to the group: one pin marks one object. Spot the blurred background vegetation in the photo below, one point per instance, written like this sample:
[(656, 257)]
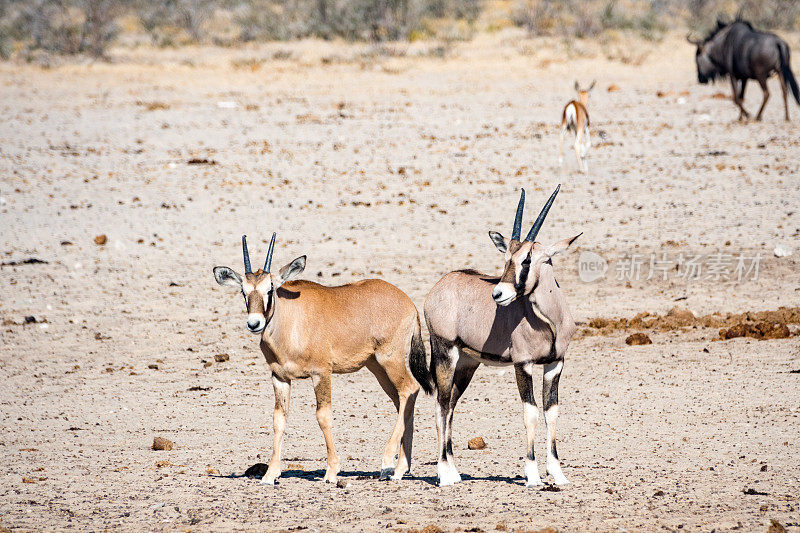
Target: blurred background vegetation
[(91, 27)]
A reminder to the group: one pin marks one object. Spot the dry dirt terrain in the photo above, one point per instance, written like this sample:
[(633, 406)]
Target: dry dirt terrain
[(388, 163)]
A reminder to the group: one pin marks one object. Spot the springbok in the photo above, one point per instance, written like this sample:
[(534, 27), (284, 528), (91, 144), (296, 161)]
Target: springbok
[(309, 330), (575, 118), (520, 318)]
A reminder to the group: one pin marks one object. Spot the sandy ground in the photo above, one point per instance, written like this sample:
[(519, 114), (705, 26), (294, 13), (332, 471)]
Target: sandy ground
[(394, 167)]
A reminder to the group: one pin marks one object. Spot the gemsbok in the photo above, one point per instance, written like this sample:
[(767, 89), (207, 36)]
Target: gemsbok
[(575, 119), (308, 330), (520, 318)]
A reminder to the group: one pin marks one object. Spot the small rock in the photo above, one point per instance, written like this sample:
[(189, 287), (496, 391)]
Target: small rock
[(658, 493), (612, 89), (681, 313), (207, 364), (101, 239), (782, 250), (162, 464), (28, 480), (211, 471), (476, 443), (257, 470), (342, 484), (162, 444), (431, 529), (638, 339), (30, 320), (222, 357), (775, 527)]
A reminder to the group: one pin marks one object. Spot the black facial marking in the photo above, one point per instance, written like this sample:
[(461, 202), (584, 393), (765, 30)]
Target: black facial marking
[(523, 274)]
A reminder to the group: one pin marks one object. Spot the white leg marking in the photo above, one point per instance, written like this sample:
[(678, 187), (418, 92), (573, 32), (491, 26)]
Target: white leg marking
[(531, 416), (553, 464), (551, 374)]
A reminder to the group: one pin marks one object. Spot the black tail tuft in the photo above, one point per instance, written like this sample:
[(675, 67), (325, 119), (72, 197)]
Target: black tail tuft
[(786, 71), (418, 363)]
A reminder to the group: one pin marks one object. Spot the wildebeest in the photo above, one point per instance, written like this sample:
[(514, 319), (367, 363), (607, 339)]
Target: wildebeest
[(520, 319), (737, 50), (308, 330)]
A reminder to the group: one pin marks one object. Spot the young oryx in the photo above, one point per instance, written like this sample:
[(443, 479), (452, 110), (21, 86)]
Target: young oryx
[(308, 330), (575, 118), (520, 318)]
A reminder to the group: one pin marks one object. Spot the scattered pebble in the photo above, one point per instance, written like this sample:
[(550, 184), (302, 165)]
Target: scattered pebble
[(162, 444), (476, 443), (782, 250), (775, 527), (760, 331), (638, 339), (101, 239), (222, 357)]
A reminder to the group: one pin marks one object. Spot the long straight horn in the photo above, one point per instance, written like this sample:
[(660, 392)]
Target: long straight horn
[(515, 233), (540, 219), (268, 262), (247, 269)]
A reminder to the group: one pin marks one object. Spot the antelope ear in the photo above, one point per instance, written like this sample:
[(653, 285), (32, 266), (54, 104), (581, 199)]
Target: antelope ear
[(293, 269), (227, 277), (561, 246), (499, 241)]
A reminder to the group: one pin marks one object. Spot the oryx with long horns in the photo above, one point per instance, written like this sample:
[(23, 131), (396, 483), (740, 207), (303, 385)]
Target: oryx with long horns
[(520, 318), (308, 330)]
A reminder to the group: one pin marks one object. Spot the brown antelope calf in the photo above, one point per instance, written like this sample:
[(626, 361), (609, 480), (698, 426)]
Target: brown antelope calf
[(520, 318), (575, 118), (308, 330)]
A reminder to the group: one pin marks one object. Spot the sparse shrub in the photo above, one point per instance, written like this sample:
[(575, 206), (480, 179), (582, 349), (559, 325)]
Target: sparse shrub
[(579, 18)]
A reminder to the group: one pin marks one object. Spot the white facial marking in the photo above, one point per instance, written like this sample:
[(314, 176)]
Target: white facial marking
[(256, 322), (504, 293), (247, 287)]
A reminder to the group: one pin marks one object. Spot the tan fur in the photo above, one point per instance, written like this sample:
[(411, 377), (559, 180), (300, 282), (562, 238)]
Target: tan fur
[(314, 331)]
